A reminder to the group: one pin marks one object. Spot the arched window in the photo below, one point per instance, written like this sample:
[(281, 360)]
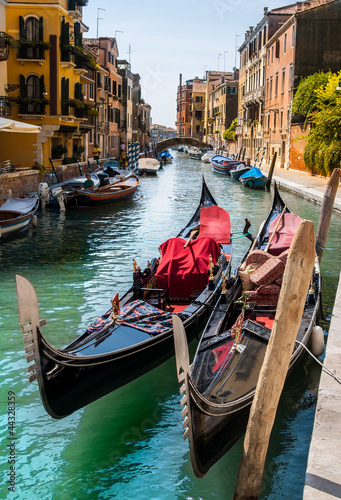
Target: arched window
[(31, 38), (32, 95)]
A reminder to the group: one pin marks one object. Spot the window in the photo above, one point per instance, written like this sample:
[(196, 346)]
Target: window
[(275, 119), (197, 128), (276, 85), (32, 88), (114, 87), (281, 122), (283, 80), (31, 30), (277, 46), (270, 94), (198, 99), (285, 44), (291, 76), (91, 91), (232, 90), (293, 36), (264, 36), (272, 54)]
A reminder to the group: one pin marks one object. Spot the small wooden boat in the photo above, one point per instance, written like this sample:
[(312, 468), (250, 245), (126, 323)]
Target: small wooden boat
[(149, 166), (136, 335), (195, 153), (238, 171), (117, 192), (254, 178), (16, 214), (206, 157), (223, 165), (219, 387)]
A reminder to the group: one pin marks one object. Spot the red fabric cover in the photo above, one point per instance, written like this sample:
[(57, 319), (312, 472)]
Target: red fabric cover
[(183, 270), (257, 257), (215, 223), (268, 272), (284, 233), (265, 321)]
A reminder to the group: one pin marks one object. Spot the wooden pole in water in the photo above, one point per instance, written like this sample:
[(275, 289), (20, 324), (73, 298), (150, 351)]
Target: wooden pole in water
[(326, 212), (290, 307), (271, 171)]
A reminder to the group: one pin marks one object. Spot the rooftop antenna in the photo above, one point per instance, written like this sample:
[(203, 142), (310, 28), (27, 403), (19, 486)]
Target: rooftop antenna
[(99, 19), (219, 56), (118, 31), (225, 52), (235, 51), (129, 52)]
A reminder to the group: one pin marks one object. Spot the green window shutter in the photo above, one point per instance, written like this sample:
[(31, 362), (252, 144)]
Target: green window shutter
[(41, 32), (22, 34), (42, 86), (23, 86), (62, 88), (67, 85)]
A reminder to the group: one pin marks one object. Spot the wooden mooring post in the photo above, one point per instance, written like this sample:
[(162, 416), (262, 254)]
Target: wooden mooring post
[(326, 212), (290, 307), (271, 171)]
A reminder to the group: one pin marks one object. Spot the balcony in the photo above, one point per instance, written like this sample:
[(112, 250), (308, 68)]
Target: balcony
[(32, 50), (5, 107), (5, 41), (75, 9)]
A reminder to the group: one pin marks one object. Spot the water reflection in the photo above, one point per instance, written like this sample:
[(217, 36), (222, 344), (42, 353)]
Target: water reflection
[(129, 444)]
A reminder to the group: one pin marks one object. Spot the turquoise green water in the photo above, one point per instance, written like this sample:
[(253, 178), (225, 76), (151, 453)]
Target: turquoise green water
[(129, 444)]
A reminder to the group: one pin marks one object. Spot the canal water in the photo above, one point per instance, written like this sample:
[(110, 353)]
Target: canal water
[(129, 445)]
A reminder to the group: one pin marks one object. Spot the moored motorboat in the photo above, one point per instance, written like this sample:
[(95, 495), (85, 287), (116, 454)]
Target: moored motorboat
[(149, 166), (16, 214), (254, 178), (165, 157), (134, 337), (223, 164), (117, 192), (239, 170), (206, 157), (219, 387)]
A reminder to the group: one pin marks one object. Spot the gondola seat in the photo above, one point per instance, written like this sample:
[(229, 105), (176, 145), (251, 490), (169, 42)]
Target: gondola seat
[(184, 270), (215, 223), (284, 233)]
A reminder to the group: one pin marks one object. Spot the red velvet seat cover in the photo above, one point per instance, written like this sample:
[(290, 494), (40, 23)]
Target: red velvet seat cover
[(284, 233), (215, 223), (184, 270)]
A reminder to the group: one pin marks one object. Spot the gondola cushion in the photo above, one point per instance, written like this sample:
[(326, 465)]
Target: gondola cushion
[(215, 223), (183, 270), (268, 272), (257, 257), (284, 233), (268, 289), (262, 299)]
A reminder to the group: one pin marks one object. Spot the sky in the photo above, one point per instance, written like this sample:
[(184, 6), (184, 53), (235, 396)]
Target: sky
[(172, 37)]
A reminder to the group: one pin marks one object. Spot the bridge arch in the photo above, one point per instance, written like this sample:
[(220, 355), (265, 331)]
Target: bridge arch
[(177, 141)]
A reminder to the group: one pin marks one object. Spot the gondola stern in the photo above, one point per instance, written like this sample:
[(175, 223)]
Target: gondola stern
[(30, 325)]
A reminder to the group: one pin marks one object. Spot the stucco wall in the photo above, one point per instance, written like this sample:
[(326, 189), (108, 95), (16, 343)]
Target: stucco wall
[(299, 138), (18, 184)]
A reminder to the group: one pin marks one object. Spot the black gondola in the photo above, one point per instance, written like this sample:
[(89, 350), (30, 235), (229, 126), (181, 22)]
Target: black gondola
[(218, 388), (123, 345)]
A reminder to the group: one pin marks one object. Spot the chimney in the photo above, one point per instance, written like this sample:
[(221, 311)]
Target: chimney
[(265, 11), (299, 7)]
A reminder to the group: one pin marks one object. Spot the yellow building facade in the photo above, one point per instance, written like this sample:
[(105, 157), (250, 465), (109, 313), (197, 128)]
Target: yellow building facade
[(45, 78)]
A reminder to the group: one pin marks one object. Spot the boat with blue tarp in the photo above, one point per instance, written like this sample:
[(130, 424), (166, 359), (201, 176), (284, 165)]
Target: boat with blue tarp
[(223, 164), (254, 178)]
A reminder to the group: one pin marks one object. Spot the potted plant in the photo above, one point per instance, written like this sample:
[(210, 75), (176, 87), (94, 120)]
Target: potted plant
[(58, 151)]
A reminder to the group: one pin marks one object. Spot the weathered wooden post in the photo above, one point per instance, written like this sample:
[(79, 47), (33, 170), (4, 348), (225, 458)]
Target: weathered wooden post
[(290, 307), (326, 212), (271, 171)]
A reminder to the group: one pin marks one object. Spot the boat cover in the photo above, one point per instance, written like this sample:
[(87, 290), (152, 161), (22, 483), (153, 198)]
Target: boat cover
[(284, 233), (184, 270), (254, 172), (215, 223), (19, 205), (221, 158), (165, 154), (137, 314)]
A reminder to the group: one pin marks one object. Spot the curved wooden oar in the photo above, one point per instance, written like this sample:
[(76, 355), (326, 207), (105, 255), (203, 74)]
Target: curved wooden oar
[(273, 234)]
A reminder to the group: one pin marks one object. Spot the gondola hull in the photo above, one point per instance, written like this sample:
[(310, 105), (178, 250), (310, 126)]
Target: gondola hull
[(220, 384), (108, 357)]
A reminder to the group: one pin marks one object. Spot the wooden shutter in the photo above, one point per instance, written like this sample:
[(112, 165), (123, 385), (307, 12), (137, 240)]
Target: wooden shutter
[(22, 34), (41, 32), (23, 86)]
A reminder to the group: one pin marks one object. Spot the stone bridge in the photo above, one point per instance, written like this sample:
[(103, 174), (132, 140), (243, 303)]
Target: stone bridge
[(177, 141)]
